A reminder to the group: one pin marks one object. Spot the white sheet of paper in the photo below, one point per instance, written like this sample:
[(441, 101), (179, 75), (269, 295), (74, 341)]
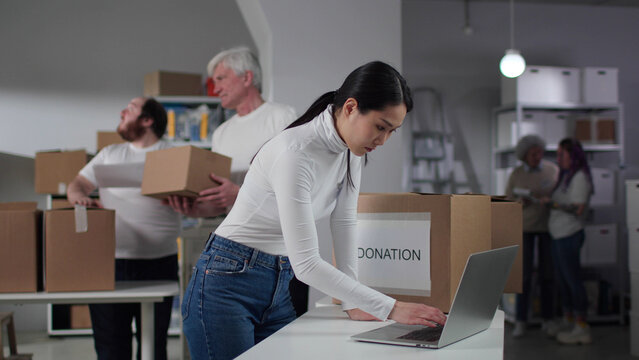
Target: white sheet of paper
[(119, 175), (394, 252)]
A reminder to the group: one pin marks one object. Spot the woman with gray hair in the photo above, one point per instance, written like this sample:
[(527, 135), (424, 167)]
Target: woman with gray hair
[(532, 180)]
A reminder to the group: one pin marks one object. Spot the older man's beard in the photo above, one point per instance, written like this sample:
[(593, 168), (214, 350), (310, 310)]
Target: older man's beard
[(132, 131)]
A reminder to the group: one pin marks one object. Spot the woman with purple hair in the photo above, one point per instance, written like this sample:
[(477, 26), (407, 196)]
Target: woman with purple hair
[(568, 205)]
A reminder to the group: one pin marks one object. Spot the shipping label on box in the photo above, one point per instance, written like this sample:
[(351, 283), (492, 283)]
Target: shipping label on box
[(20, 247), (182, 171), (77, 260), (459, 226), (54, 170), (383, 265)]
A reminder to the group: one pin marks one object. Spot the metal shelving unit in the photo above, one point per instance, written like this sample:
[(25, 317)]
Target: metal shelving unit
[(608, 156)]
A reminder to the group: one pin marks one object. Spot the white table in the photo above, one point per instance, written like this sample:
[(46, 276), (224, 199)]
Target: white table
[(144, 292), (324, 333)]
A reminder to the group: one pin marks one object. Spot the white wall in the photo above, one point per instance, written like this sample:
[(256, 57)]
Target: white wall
[(68, 67), (309, 47), (464, 68), (315, 44)]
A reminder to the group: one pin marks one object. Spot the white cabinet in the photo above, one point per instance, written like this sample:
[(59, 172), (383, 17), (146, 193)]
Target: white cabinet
[(600, 246)]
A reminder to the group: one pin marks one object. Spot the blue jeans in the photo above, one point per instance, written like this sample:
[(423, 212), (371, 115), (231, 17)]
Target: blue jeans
[(566, 253), (237, 297)]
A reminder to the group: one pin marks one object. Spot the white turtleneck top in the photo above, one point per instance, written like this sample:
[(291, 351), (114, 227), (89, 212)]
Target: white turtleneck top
[(296, 179)]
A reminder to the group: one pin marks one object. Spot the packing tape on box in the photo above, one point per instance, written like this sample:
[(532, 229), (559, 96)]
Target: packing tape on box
[(81, 224)]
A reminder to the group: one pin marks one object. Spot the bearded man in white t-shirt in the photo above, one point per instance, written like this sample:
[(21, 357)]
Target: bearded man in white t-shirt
[(145, 231), (237, 76)]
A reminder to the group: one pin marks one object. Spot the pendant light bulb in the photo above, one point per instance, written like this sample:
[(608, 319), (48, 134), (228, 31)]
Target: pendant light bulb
[(512, 64)]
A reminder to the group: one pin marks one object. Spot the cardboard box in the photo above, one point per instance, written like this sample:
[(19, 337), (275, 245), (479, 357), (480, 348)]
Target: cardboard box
[(106, 138), (54, 170), (606, 131), (60, 204), (79, 261), (507, 229), (20, 247), (182, 171), (80, 317), (583, 130), (459, 226), (168, 83)]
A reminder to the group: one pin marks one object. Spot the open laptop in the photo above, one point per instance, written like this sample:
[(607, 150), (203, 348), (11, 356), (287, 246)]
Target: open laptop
[(473, 307)]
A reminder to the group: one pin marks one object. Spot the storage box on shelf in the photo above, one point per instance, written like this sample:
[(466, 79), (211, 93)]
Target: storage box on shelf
[(599, 85), (542, 85), (171, 83)]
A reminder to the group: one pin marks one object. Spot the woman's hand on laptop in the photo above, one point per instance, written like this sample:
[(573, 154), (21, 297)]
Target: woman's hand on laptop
[(360, 315), (417, 314)]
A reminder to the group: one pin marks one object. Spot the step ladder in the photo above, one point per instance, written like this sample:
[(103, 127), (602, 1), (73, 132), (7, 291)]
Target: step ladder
[(7, 318), (434, 165)]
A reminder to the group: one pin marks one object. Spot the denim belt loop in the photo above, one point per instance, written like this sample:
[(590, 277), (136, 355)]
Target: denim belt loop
[(253, 257), (209, 242), (281, 260)]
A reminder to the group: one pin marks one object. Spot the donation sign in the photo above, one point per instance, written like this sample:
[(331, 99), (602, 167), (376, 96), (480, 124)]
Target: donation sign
[(393, 251)]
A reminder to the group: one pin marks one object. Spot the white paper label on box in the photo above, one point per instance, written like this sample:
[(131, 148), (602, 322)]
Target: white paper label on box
[(119, 175), (62, 188), (393, 251), (81, 224)]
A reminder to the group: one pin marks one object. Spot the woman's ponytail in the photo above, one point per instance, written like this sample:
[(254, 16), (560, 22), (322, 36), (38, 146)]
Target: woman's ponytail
[(316, 108)]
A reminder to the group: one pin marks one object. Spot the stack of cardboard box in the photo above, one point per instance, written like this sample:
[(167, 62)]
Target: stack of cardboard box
[(20, 247), (454, 226)]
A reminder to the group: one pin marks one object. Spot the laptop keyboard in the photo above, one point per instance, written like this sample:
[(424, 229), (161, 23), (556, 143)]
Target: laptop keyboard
[(425, 334)]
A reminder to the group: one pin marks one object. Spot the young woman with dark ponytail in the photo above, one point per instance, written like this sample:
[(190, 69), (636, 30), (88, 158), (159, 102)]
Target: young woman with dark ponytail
[(238, 294), (568, 207)]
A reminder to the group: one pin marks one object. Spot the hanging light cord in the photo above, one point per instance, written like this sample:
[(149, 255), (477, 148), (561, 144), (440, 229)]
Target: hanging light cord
[(512, 24)]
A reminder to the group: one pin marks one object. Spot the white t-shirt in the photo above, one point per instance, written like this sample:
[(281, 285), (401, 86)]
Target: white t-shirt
[(144, 228), (241, 137), (298, 178), (562, 223)]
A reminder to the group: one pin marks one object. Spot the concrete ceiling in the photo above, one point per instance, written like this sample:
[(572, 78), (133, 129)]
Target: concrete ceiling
[(632, 3)]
